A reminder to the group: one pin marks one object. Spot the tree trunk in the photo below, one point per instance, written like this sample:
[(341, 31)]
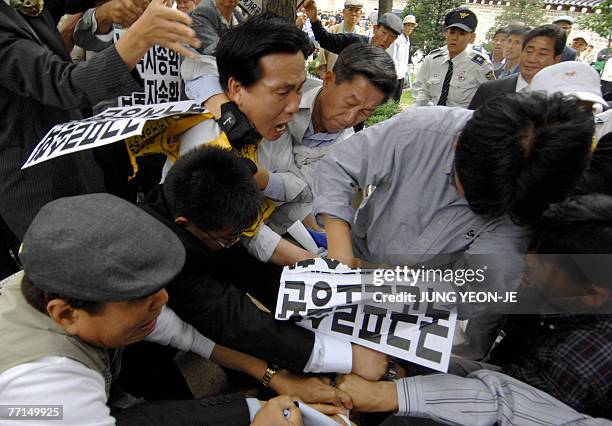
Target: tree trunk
[(384, 6), (284, 8)]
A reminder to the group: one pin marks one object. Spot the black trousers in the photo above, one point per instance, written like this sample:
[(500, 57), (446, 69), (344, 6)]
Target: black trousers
[(397, 94)]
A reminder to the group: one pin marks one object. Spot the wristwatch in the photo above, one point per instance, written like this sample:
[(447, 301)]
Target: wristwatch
[(391, 371), (271, 371)]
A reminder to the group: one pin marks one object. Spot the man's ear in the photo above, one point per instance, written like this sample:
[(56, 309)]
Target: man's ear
[(234, 91), (557, 59), (64, 315), (596, 297), (329, 78)]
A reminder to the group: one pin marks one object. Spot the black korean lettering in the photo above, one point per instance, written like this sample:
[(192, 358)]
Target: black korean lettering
[(349, 289), (426, 329), (151, 91), (174, 92), (94, 132), (317, 315), (302, 263), (161, 58), (341, 315), (321, 286), (139, 98), (379, 314), (331, 263), (76, 134), (162, 92), (150, 66), (129, 127), (396, 319)]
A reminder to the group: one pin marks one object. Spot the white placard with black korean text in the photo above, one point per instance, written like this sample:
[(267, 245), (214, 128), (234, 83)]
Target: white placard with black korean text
[(112, 125), (159, 69), (252, 7), (330, 298)]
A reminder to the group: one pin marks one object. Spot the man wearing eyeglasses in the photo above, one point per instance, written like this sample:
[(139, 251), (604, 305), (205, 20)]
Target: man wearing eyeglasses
[(208, 199)]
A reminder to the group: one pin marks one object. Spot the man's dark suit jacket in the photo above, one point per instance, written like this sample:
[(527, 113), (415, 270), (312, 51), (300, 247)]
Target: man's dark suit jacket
[(222, 312), (493, 88), (568, 54), (40, 87)]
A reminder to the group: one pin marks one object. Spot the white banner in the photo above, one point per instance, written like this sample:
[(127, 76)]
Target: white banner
[(330, 298), (160, 70), (110, 126)]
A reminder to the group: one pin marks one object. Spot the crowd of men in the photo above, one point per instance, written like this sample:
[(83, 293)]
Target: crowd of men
[(504, 162)]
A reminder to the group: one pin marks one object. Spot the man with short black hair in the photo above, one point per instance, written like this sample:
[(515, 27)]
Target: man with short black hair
[(450, 76), (513, 50), (542, 47), (261, 72), (208, 199), (483, 174), (497, 56), (362, 79)]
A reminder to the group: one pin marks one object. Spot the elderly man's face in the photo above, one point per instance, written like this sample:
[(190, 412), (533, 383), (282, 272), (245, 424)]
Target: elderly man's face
[(341, 106), (383, 37), (351, 15), (118, 324), (271, 102), (539, 52)]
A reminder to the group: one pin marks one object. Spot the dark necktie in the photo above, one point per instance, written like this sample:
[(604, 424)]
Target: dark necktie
[(446, 84)]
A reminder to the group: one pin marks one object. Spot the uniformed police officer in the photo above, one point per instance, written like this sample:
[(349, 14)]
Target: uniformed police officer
[(450, 75)]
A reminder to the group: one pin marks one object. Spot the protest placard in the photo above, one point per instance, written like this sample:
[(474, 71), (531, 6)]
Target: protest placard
[(159, 69), (110, 126), (330, 298), (252, 7)]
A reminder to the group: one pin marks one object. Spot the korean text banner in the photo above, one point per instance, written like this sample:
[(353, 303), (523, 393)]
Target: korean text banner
[(112, 125), (327, 297)]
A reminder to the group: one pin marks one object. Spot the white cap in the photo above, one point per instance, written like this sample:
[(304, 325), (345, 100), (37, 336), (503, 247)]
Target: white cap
[(409, 19), (570, 78), (565, 18)]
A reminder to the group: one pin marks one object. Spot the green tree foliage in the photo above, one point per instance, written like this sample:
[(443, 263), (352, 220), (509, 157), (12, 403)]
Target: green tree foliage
[(601, 22), (529, 12), (383, 112), (429, 34)]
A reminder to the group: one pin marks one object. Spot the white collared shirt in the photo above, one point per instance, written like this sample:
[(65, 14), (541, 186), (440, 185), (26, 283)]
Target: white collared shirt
[(521, 84), (470, 69)]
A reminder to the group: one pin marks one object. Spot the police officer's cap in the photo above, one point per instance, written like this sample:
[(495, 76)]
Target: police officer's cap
[(461, 18)]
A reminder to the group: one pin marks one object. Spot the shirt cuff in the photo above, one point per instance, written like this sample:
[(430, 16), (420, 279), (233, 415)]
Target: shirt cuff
[(203, 88), (94, 27), (330, 355), (409, 402), (275, 189), (254, 406)]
